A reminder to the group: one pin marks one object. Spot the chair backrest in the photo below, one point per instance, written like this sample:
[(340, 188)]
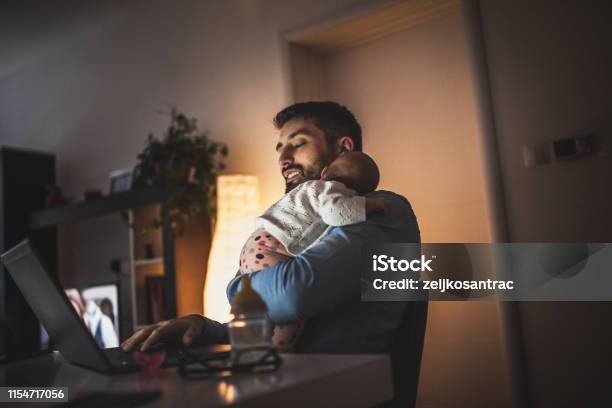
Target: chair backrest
[(406, 353)]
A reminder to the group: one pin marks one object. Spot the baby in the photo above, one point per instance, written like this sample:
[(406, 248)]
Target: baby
[(305, 214)]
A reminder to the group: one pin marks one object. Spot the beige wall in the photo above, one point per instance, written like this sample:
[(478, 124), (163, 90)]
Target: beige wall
[(412, 93), (550, 63)]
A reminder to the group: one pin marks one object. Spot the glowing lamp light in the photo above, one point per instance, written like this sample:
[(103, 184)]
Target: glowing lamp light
[(237, 206)]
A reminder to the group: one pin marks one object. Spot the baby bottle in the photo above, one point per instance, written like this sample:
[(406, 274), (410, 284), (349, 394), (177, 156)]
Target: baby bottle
[(250, 331)]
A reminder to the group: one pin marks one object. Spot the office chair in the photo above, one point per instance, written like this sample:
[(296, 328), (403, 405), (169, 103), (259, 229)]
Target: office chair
[(406, 353)]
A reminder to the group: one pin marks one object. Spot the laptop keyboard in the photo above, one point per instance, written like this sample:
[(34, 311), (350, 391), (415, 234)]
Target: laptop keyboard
[(118, 357)]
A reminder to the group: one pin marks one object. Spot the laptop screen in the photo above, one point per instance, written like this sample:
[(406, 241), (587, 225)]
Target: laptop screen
[(98, 308)]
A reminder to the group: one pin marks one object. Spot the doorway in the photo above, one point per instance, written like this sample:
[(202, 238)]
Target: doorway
[(402, 68)]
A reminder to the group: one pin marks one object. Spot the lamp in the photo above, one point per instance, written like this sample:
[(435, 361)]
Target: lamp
[(237, 206)]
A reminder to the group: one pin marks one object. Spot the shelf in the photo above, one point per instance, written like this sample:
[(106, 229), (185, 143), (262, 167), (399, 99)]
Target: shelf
[(152, 261), (95, 208)]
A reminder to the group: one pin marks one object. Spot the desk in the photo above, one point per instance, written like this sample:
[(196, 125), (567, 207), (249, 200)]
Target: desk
[(302, 380)]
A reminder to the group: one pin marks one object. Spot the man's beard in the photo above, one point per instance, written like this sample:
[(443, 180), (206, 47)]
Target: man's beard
[(306, 175), (312, 173)]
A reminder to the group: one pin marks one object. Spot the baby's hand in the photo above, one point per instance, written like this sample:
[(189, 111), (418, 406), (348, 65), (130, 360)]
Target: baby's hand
[(377, 204)]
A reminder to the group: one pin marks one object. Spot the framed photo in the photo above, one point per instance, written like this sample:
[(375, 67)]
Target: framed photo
[(121, 181)]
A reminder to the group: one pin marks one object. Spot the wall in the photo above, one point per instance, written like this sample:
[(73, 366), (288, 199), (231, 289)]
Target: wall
[(412, 93), (550, 64), (89, 81)]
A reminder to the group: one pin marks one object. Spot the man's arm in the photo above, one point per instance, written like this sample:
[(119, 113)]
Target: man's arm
[(328, 273), (311, 283)]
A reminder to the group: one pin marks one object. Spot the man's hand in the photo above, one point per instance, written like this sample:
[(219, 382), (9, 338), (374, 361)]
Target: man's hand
[(376, 204), (186, 328)]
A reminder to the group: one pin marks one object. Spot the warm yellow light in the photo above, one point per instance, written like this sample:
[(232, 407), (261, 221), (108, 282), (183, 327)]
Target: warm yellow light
[(237, 206)]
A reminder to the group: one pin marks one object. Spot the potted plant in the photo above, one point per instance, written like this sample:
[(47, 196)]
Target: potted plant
[(184, 164)]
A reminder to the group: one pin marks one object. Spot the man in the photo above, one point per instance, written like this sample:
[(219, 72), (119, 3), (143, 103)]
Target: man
[(323, 283)]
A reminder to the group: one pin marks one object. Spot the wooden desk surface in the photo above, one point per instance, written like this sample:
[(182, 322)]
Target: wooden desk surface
[(302, 380)]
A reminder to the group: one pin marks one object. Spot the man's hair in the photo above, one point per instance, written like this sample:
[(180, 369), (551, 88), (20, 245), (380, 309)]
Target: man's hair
[(332, 118)]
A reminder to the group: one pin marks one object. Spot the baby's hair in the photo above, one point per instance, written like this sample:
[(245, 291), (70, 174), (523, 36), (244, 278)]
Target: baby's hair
[(364, 175)]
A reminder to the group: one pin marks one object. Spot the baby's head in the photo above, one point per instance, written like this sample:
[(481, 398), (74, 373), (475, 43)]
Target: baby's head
[(356, 170)]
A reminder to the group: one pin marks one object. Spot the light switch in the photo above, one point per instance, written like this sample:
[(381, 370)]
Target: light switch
[(535, 155)]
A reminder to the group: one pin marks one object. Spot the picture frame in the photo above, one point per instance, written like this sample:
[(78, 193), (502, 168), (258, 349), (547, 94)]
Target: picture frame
[(121, 181)]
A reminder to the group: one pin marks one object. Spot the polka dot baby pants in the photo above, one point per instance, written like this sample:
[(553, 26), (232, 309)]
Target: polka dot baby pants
[(261, 251)]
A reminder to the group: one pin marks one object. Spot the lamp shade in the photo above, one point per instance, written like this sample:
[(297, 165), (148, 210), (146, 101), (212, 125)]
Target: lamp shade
[(237, 206)]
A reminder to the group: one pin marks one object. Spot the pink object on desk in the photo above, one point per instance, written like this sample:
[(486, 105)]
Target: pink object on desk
[(150, 363)]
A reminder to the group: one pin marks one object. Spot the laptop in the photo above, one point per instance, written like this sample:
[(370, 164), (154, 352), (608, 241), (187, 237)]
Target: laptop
[(65, 328)]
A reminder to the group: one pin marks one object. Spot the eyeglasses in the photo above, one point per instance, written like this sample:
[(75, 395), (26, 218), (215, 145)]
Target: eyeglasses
[(193, 367)]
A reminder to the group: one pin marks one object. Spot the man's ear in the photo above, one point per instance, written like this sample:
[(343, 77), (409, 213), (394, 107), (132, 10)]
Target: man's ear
[(344, 144)]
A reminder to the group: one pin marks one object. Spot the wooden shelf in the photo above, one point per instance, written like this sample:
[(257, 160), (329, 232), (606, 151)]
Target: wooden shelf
[(152, 261), (95, 208)]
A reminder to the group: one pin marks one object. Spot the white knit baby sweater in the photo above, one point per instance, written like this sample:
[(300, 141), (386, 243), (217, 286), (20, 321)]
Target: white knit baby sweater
[(303, 215)]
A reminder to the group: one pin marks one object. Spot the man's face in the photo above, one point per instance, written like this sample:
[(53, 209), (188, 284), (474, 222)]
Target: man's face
[(303, 152)]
